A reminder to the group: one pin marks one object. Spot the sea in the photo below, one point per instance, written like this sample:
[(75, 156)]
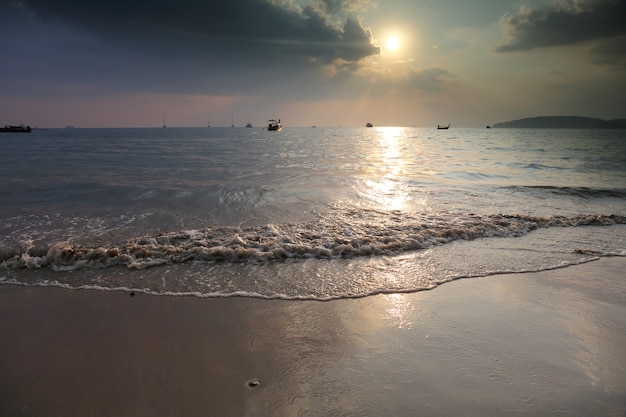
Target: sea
[(307, 213)]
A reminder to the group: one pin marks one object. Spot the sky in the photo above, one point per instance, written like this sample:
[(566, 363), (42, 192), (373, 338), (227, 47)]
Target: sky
[(121, 63)]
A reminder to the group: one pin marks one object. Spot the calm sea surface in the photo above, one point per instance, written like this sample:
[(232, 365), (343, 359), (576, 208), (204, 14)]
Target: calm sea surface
[(305, 213)]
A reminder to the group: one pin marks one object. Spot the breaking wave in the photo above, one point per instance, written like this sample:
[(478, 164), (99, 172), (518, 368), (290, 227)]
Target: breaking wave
[(359, 233)]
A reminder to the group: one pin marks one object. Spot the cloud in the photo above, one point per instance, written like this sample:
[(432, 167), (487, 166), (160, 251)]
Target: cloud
[(82, 48), (611, 53), (237, 29), (567, 22), (426, 79), (407, 78), (333, 7)]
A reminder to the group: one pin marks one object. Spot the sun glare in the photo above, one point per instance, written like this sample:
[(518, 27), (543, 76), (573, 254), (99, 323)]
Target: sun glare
[(392, 44)]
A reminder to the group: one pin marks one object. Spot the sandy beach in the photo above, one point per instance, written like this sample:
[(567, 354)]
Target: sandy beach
[(549, 343)]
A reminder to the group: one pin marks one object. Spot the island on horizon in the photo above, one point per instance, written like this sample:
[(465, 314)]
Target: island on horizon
[(563, 122)]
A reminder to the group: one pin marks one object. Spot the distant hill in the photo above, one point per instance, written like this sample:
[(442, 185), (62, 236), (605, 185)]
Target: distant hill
[(564, 122)]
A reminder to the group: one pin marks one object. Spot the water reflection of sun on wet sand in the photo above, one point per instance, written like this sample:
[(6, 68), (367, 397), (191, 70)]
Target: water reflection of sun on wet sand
[(400, 311)]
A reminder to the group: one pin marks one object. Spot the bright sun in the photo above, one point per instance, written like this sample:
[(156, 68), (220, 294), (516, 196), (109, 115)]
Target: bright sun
[(393, 43)]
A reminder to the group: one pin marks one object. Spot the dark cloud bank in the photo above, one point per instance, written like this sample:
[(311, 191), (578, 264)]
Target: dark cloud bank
[(248, 28), (570, 23), (76, 47)]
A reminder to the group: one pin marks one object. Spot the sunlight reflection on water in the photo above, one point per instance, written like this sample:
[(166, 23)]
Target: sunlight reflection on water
[(384, 185)]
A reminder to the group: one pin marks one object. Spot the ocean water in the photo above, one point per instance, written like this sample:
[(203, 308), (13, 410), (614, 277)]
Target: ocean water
[(305, 213)]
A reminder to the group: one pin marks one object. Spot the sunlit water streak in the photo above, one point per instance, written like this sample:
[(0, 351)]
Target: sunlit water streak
[(304, 213)]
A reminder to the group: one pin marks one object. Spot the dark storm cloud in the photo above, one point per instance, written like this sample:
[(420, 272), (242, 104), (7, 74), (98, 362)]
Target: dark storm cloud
[(573, 22), (250, 28)]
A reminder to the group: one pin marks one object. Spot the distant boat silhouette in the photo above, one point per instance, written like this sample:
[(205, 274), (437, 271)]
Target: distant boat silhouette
[(248, 124), (232, 121), (443, 127), (368, 124), (274, 125), (164, 125)]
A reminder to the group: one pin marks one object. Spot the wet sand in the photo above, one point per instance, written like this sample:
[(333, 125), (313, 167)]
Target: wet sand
[(550, 343)]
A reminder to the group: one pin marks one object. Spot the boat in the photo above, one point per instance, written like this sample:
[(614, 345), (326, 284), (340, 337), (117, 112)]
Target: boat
[(274, 125), (368, 124), (12, 128), (248, 124), (440, 127)]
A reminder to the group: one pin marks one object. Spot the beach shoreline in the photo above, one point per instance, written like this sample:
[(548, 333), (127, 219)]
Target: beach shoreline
[(551, 342)]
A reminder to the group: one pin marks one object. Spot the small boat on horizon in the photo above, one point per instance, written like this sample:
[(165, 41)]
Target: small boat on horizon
[(248, 124), (275, 125), (440, 127), (368, 124), (15, 129)]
